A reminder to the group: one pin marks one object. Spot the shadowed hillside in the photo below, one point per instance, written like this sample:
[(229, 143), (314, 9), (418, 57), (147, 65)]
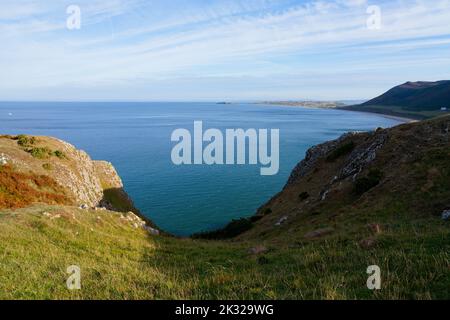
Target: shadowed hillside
[(416, 96), (412, 99)]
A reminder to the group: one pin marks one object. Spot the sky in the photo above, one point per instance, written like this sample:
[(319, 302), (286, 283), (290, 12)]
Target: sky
[(219, 50)]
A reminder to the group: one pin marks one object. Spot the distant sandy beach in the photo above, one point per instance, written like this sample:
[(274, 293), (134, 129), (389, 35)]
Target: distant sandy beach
[(327, 105)]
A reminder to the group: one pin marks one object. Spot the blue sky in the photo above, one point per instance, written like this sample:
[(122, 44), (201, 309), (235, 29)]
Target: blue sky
[(208, 50)]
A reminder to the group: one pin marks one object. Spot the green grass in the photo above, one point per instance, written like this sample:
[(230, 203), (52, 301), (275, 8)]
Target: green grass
[(120, 262), (40, 152), (45, 153), (28, 144), (364, 184)]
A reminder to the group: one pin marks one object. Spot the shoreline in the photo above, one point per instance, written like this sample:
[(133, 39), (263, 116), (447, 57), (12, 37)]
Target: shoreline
[(387, 116), (401, 118)]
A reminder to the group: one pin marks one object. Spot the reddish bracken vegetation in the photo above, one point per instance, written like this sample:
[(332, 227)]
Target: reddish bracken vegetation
[(18, 190)]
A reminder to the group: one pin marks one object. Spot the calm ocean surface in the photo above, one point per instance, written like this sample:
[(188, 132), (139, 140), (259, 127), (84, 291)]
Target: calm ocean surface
[(135, 137)]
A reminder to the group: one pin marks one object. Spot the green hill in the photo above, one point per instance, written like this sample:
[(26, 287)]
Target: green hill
[(412, 99), (365, 199)]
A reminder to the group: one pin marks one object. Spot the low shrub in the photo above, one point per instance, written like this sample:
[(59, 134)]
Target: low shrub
[(25, 141), (303, 196), (362, 185), (263, 260), (256, 218), (341, 151), (233, 229), (40, 153), (59, 154), (45, 153)]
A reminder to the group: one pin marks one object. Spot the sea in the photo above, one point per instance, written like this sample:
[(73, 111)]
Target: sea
[(184, 199)]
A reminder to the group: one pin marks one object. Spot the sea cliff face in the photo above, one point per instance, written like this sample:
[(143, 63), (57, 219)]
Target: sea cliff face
[(402, 170), (83, 181)]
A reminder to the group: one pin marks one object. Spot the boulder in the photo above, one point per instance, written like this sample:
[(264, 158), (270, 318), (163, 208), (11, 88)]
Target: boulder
[(318, 233), (152, 231), (368, 243), (257, 250), (281, 221), (134, 219), (446, 215)]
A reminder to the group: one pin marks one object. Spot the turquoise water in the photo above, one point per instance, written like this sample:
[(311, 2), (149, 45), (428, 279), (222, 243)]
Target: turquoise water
[(135, 137)]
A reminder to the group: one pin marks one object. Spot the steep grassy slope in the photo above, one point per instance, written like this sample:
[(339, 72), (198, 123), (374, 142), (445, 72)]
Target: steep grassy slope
[(365, 199), (118, 261)]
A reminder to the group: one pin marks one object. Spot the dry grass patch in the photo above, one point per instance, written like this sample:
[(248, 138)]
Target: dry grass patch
[(18, 190)]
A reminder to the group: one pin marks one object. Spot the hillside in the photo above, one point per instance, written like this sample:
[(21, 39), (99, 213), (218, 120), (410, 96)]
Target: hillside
[(367, 198), (414, 99), (403, 172)]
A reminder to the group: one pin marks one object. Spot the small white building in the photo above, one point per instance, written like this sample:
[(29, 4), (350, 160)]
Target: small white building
[(443, 109)]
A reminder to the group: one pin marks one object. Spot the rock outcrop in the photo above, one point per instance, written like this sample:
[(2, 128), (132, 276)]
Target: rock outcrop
[(79, 176), (313, 155), (85, 181), (364, 155)]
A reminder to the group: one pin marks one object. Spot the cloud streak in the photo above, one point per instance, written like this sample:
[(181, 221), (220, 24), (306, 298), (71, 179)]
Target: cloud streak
[(138, 43)]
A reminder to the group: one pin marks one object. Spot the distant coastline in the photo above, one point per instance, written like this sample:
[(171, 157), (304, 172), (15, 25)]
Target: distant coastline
[(386, 115), (405, 117), (306, 104)]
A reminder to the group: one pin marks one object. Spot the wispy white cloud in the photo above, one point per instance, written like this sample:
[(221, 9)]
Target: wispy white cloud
[(16, 10), (122, 42)]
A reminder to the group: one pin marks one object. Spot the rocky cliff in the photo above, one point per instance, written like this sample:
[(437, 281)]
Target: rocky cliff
[(403, 170), (81, 180)]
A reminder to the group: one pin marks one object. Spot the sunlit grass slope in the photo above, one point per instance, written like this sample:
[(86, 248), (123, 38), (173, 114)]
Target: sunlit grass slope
[(117, 261)]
